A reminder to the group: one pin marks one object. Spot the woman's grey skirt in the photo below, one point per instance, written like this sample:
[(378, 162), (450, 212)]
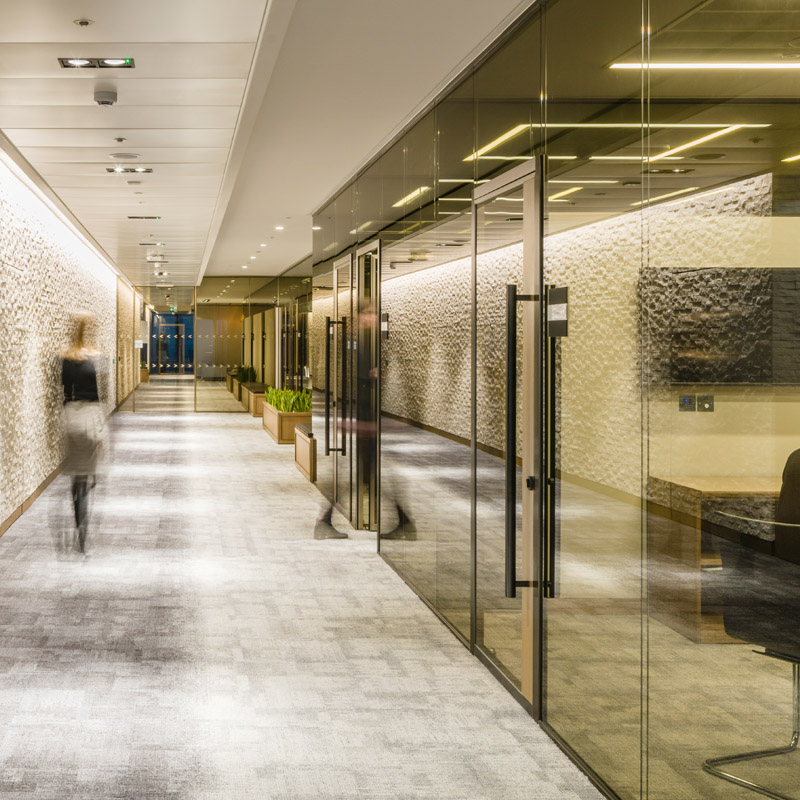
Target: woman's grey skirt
[(85, 434)]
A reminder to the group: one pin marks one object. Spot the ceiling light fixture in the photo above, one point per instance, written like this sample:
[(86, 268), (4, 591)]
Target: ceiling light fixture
[(279, 227), (96, 63), (551, 158), (263, 244), (665, 196), (791, 158), (707, 65), (244, 266), (564, 193), (707, 138), (118, 169), (252, 258), (411, 196), (316, 228)]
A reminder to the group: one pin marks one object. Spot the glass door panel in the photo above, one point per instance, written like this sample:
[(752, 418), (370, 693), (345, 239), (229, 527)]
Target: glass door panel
[(367, 387), (342, 368), (505, 371)]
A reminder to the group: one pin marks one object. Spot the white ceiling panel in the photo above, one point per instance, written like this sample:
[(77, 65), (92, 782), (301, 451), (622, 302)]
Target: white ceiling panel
[(70, 91), (104, 137), (122, 116), (149, 156), (142, 21), (191, 61)]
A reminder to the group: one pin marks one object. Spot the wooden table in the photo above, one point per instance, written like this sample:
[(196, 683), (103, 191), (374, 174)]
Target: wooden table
[(679, 552)]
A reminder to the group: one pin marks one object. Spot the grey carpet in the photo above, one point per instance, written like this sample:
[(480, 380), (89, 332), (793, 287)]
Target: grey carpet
[(209, 647)]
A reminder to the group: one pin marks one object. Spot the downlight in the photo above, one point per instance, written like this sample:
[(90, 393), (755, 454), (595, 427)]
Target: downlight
[(86, 62)]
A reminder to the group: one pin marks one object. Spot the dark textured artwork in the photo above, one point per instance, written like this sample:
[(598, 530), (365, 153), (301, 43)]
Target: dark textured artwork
[(717, 326)]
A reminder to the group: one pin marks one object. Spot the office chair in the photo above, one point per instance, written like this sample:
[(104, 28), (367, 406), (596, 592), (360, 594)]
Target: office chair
[(761, 595)]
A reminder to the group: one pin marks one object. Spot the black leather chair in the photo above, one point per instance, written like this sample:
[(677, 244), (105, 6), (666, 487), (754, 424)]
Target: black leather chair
[(761, 605)]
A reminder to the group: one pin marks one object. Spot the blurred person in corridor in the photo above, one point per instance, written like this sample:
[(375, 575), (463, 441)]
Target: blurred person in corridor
[(84, 419)]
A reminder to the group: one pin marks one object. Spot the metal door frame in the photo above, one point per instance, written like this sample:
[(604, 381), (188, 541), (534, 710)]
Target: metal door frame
[(181, 342), (530, 176)]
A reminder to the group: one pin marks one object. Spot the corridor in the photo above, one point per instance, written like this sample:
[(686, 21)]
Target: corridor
[(209, 647)]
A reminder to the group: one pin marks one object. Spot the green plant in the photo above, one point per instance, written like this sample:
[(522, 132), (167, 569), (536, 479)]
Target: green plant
[(288, 400), (245, 374)]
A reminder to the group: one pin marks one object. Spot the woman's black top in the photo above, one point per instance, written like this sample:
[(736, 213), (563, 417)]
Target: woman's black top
[(79, 379)]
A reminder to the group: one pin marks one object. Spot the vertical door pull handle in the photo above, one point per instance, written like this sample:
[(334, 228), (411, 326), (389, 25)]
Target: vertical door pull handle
[(512, 298), (327, 386), (345, 422)]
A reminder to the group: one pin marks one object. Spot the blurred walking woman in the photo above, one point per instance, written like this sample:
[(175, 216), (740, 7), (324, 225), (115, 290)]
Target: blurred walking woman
[(84, 421)]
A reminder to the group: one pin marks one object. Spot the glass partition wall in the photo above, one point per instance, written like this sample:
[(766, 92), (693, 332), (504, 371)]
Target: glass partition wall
[(658, 644), (200, 345)]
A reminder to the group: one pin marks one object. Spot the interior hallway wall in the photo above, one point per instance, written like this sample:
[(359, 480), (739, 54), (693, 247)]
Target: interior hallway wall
[(601, 402), (126, 332), (46, 272)]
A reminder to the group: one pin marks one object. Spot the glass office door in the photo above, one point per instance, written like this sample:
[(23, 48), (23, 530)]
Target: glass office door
[(506, 379), (341, 384), (367, 385)]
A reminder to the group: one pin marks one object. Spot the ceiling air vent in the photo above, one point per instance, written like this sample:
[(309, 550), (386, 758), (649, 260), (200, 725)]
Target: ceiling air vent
[(130, 216), (120, 170)]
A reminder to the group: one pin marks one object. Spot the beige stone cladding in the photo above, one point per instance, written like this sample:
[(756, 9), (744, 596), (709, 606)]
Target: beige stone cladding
[(126, 365), (46, 272)]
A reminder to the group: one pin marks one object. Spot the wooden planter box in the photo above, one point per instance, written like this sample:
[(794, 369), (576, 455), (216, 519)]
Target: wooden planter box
[(253, 397), (144, 375), (229, 382), (280, 424), (305, 451), (236, 388)]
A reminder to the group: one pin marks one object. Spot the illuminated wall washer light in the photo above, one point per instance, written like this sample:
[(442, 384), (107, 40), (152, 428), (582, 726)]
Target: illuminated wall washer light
[(564, 193), (411, 196), (665, 196), (708, 65)]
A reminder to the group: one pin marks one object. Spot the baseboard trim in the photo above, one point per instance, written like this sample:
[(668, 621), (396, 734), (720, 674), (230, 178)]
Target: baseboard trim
[(29, 501)]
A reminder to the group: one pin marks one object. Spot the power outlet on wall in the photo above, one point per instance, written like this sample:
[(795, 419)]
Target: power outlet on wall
[(705, 402)]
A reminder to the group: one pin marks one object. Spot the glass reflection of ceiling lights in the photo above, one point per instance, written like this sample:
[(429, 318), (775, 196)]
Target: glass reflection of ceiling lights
[(718, 129), (692, 65), (411, 196)]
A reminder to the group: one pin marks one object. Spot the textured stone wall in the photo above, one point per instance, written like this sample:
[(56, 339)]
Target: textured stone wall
[(322, 307), (126, 333), (46, 272)]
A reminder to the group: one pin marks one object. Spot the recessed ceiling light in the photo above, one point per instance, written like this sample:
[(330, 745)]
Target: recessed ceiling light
[(119, 169), (316, 228), (279, 227), (233, 280), (665, 196), (124, 156), (78, 62), (140, 169), (263, 244), (707, 65), (252, 258), (244, 266), (564, 193), (115, 62)]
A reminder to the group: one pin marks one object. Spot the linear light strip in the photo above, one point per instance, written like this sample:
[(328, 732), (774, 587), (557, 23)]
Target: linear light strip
[(707, 138), (632, 158), (665, 196), (564, 193), (578, 180), (708, 65), (411, 196), (515, 131), (791, 158)]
